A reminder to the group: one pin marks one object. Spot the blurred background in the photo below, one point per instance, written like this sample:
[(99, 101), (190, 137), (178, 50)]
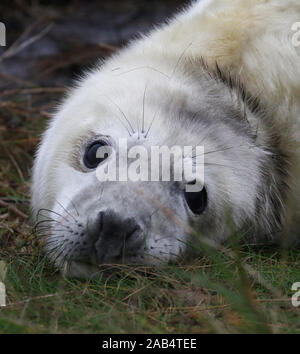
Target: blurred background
[(50, 44)]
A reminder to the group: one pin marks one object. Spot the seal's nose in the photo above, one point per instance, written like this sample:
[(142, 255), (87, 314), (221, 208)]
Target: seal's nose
[(117, 236)]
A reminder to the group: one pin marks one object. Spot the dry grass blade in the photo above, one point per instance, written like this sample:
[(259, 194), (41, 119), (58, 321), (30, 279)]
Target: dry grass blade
[(13, 209), (19, 45)]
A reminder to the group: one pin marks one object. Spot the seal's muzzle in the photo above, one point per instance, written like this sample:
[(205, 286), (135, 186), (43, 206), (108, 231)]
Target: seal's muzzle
[(114, 236)]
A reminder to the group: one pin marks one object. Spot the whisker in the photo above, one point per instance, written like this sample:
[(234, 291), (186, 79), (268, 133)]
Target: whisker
[(51, 211), (154, 117), (49, 231), (215, 151), (145, 67), (74, 206), (35, 227), (155, 211), (220, 165), (49, 224), (62, 217), (62, 246), (65, 209), (55, 240), (51, 253), (144, 99), (123, 114), (52, 230), (180, 58), (44, 217)]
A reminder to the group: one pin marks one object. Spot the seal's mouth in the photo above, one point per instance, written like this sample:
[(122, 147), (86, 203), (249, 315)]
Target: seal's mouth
[(82, 269), (119, 255), (92, 267), (78, 269)]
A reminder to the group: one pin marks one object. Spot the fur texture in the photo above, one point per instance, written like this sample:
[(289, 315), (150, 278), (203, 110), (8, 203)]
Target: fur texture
[(223, 73)]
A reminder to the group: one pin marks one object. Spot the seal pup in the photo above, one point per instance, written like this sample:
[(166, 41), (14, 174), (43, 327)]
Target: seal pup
[(221, 74)]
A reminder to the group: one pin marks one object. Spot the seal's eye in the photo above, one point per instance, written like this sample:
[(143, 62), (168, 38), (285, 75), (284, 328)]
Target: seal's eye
[(90, 158), (197, 201)]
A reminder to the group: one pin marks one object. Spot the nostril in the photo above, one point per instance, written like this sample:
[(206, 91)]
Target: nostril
[(100, 221), (134, 231), (113, 224), (116, 236)]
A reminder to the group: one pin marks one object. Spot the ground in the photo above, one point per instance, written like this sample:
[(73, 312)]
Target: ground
[(226, 290)]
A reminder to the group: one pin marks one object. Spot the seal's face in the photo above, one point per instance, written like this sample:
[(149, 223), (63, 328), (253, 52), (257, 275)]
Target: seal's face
[(86, 221)]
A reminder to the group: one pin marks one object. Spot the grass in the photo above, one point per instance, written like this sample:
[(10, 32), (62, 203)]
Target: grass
[(227, 290)]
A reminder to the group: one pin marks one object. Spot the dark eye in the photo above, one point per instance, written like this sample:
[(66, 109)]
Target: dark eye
[(197, 201), (90, 156)]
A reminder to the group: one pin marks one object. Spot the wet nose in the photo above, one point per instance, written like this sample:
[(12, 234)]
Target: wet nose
[(117, 236)]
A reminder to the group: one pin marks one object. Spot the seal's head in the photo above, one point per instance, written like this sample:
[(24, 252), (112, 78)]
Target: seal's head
[(86, 220)]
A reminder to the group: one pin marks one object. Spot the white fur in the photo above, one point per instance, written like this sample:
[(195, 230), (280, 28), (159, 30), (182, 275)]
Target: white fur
[(252, 40)]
